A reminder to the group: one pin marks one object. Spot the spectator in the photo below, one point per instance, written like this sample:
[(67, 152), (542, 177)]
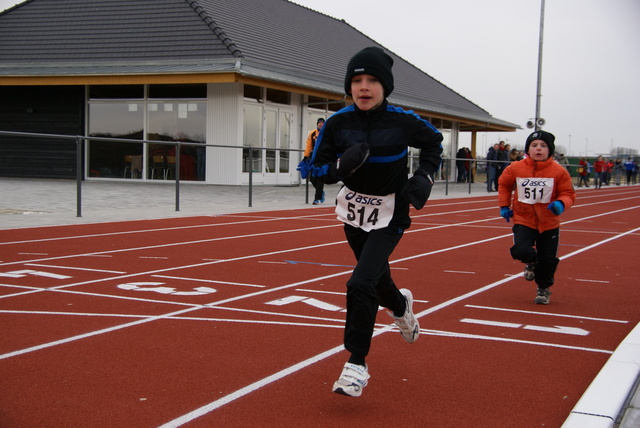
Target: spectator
[(492, 168), (608, 167), (583, 172), (460, 165), (617, 171), (562, 160), (514, 155), (310, 144), (469, 165), (629, 167), (502, 155), (599, 166)]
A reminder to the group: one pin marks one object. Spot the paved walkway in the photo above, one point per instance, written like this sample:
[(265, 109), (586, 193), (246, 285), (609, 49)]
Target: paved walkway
[(41, 202), (26, 203)]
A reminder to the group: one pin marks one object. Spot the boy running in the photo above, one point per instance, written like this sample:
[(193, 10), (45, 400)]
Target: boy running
[(365, 146), (543, 191)]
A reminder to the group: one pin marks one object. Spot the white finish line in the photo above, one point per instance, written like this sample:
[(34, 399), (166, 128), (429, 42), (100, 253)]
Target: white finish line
[(555, 329)]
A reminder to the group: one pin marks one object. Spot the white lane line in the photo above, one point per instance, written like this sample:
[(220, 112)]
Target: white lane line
[(174, 244), (339, 348), (555, 329), (250, 388), (210, 281), (335, 323), (73, 268), (506, 339), (491, 323), (545, 314), (163, 229), (93, 333), (213, 304), (297, 284), (337, 293)]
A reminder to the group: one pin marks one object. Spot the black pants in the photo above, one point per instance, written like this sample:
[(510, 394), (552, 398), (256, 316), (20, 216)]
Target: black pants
[(370, 285), (319, 188), (531, 246)]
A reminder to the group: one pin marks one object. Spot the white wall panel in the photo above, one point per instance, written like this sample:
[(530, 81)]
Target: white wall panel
[(224, 127)]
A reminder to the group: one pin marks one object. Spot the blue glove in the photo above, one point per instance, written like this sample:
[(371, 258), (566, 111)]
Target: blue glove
[(506, 213), (304, 167), (326, 173), (556, 207), (319, 171)]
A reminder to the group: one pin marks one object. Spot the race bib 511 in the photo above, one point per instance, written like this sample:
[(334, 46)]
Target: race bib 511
[(367, 212), (534, 190)]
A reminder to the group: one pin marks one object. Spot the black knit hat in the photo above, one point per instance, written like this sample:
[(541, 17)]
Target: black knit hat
[(373, 61), (545, 136)]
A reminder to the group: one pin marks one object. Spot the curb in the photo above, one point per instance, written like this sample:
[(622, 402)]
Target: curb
[(606, 398)]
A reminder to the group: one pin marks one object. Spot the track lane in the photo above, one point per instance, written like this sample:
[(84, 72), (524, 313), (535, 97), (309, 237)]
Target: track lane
[(328, 277)]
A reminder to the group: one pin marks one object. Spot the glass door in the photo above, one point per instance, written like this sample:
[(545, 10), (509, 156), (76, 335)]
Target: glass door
[(271, 154), (278, 126), (285, 142), (268, 130)]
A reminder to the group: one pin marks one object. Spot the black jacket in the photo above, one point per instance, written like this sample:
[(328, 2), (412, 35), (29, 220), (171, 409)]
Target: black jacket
[(389, 131)]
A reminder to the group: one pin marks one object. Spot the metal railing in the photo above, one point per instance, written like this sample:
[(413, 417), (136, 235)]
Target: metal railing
[(448, 169), (81, 140)]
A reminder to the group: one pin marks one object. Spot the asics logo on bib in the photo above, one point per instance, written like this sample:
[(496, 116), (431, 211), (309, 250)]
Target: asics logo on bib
[(363, 200), (534, 183)]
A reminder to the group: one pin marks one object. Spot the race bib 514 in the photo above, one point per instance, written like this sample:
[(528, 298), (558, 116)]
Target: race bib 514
[(534, 190), (367, 212)]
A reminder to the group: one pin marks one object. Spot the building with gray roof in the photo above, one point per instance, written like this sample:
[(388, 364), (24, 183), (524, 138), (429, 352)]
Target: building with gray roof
[(233, 86)]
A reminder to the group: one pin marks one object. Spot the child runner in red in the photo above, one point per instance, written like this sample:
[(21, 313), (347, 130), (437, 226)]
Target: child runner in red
[(543, 191), (365, 146)]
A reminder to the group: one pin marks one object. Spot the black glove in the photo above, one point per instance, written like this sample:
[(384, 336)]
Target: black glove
[(418, 189), (352, 159)]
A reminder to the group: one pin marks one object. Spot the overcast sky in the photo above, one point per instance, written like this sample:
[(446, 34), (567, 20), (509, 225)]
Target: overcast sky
[(487, 51)]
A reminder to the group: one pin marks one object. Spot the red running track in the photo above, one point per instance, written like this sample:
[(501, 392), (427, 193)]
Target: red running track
[(236, 320)]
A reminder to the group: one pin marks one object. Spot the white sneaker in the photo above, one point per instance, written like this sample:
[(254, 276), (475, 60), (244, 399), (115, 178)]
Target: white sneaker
[(408, 324), (530, 271), (543, 296), (352, 380)]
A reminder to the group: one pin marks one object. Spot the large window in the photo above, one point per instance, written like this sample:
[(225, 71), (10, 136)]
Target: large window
[(172, 122), (122, 120), (166, 113)]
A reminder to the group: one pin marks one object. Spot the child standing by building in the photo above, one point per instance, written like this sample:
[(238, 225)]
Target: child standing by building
[(311, 142), (543, 191), (365, 146)]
